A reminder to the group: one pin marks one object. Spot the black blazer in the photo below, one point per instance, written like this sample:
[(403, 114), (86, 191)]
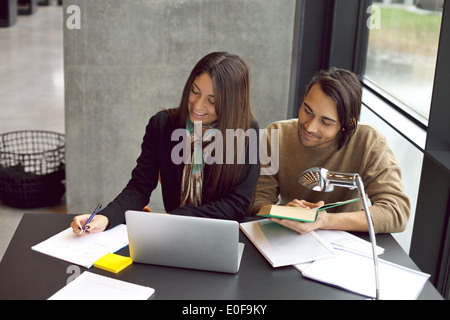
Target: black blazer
[(155, 160)]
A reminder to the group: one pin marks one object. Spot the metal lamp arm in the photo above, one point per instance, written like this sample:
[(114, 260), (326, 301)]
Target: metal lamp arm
[(363, 196)]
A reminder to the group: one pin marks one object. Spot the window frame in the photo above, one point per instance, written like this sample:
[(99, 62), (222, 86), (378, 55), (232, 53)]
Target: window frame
[(408, 111)]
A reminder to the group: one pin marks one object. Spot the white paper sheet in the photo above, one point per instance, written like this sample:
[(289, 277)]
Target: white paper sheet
[(343, 240), (282, 246), (355, 272), (346, 241), (91, 286), (84, 250)]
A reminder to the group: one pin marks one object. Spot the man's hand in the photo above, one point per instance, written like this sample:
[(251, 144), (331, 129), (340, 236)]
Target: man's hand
[(303, 227), (305, 204)]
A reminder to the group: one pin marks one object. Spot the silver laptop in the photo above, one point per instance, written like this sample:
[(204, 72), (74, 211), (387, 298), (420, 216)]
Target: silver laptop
[(185, 242)]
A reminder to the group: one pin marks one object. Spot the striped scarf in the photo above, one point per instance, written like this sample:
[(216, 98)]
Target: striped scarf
[(192, 181)]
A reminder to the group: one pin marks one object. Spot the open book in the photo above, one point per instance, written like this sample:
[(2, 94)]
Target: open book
[(297, 213)]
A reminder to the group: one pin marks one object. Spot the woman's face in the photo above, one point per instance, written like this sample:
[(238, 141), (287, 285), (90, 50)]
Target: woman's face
[(201, 100)]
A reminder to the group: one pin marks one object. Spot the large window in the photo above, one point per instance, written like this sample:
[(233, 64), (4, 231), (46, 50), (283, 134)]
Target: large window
[(402, 51)]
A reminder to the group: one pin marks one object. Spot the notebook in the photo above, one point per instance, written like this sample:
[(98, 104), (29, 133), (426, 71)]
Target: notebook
[(284, 247), (83, 251), (184, 242)]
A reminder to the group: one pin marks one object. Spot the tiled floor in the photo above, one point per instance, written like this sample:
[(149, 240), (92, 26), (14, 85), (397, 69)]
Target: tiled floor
[(31, 89)]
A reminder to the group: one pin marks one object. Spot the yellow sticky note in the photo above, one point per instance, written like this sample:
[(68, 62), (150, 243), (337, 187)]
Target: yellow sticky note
[(113, 263)]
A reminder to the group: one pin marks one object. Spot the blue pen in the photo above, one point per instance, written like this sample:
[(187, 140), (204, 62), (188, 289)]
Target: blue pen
[(91, 217)]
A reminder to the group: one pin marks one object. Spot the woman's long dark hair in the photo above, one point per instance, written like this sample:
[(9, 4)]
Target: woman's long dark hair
[(230, 76)]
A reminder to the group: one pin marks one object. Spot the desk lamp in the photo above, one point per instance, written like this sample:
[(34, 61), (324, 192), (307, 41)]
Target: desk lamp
[(320, 179)]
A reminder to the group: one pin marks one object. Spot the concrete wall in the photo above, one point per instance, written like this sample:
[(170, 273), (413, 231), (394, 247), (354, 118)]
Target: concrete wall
[(131, 58)]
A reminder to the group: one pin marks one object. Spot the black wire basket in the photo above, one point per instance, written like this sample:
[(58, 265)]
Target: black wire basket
[(32, 168)]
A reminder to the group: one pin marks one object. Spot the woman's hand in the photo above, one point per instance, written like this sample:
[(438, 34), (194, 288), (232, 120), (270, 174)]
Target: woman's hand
[(98, 224)]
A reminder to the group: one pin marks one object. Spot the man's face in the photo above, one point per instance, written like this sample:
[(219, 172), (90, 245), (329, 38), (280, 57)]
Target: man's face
[(318, 121)]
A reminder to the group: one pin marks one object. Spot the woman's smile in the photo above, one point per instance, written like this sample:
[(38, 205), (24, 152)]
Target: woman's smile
[(201, 100)]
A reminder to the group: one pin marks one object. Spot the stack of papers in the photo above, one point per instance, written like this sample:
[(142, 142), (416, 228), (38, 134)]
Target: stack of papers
[(342, 240), (337, 258), (95, 248), (356, 273), (91, 286), (85, 250)]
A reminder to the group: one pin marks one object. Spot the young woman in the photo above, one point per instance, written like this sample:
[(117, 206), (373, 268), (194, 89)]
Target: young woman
[(216, 97)]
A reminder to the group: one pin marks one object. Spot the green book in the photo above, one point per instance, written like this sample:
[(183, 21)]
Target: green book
[(297, 213)]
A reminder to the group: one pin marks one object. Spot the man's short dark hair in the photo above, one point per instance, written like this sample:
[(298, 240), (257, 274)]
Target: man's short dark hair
[(344, 88)]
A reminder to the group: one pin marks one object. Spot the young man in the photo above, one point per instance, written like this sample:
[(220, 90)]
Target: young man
[(327, 134)]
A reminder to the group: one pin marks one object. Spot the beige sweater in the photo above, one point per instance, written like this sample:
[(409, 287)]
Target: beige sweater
[(367, 154)]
